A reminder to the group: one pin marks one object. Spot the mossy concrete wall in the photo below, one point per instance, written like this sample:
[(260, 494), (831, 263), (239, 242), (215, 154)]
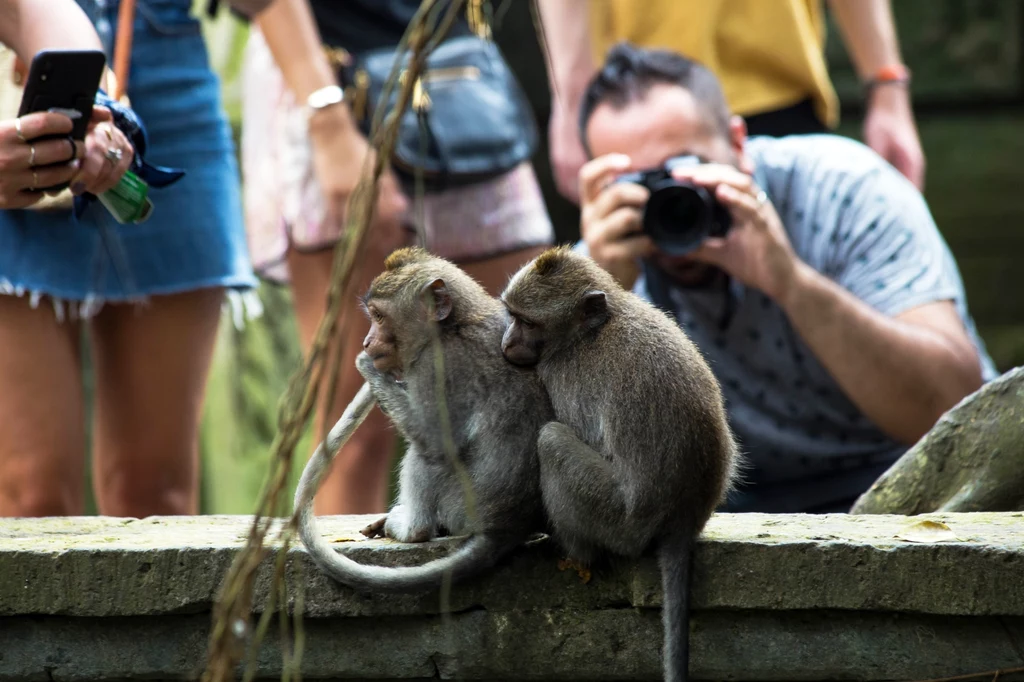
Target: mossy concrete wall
[(777, 597)]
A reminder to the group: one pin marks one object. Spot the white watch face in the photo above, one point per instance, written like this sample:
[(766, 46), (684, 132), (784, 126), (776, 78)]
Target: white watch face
[(323, 97)]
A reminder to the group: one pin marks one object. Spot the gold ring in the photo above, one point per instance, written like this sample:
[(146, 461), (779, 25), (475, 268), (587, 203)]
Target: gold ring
[(110, 135), (17, 127), (31, 155)]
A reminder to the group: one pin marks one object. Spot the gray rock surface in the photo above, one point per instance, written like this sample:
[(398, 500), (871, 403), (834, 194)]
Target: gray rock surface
[(971, 460), (785, 597)]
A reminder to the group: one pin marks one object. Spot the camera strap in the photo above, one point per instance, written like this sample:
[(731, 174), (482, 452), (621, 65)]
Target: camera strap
[(659, 291)]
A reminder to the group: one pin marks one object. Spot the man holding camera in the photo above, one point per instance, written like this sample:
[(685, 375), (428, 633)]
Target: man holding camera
[(808, 270)]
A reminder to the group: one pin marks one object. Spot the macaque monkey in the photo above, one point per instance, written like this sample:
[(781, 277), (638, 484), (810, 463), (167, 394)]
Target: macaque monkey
[(432, 361), (640, 453)]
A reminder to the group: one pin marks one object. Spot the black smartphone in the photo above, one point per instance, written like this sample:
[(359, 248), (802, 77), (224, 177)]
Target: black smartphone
[(67, 80)]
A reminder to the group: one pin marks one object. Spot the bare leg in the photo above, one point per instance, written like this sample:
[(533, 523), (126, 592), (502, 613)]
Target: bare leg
[(151, 364), (357, 481), (584, 496), (494, 273), (42, 442)]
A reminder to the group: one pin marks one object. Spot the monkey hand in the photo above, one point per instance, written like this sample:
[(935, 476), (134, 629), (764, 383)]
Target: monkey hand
[(375, 529), (757, 250)]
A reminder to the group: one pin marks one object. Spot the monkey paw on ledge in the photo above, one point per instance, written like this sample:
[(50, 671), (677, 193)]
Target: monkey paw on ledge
[(775, 597)]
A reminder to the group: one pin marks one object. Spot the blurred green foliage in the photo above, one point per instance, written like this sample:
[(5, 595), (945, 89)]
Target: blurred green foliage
[(963, 53)]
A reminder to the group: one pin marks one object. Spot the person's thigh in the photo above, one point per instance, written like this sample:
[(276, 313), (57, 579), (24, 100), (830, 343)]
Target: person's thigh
[(151, 365), (42, 440), (357, 481)]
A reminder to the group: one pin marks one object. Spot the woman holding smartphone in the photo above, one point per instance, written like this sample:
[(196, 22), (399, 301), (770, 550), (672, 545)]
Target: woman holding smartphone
[(149, 295)]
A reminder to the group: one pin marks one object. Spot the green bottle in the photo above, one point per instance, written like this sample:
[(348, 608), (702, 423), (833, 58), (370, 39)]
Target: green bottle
[(128, 201)]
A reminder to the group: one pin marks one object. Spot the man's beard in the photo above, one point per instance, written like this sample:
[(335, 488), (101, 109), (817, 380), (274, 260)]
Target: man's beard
[(687, 273)]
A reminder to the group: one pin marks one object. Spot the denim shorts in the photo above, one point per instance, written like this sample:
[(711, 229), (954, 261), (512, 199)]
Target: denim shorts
[(195, 237)]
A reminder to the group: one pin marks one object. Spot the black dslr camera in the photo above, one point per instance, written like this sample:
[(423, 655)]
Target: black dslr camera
[(678, 216)]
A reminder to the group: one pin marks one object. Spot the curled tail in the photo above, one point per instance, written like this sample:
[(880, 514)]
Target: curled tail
[(675, 555), (478, 553)]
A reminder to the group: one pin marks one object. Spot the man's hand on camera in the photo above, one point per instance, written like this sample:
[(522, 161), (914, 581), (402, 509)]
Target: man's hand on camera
[(756, 249), (610, 215)]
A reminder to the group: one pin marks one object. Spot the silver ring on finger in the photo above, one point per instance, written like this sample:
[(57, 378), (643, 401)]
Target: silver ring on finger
[(762, 198), (74, 149), (31, 155), (35, 181), (114, 155), (17, 128)]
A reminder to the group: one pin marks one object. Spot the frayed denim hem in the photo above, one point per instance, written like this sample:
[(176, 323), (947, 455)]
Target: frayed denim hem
[(242, 306)]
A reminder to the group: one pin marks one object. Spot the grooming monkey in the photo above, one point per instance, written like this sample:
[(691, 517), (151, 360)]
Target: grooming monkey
[(641, 452), (493, 410)]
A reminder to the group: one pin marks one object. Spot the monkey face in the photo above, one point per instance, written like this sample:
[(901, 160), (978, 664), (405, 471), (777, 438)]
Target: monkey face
[(523, 342), (380, 343)]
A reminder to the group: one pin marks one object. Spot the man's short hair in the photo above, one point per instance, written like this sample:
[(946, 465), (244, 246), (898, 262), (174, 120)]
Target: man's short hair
[(629, 72)]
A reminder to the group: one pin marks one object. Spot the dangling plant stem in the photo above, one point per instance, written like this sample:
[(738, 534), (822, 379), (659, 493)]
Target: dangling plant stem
[(233, 609)]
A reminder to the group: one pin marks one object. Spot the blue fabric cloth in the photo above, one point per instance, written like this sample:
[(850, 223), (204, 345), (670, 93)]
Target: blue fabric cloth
[(195, 237), (854, 218)]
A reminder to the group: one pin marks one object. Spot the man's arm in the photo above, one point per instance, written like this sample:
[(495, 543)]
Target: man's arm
[(903, 372), (570, 66), (886, 329), (869, 33)]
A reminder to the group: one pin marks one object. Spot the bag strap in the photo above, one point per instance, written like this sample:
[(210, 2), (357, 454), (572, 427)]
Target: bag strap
[(123, 47)]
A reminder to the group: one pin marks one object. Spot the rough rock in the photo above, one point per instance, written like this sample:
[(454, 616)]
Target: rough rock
[(971, 460)]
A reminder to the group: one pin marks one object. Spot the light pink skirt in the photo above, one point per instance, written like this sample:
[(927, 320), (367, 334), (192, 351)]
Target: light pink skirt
[(284, 205)]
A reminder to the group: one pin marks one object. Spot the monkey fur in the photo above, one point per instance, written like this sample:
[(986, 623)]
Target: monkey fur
[(494, 409), (641, 452)]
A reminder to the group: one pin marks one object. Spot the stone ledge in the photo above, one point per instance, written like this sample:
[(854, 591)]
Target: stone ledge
[(115, 567), (777, 597)]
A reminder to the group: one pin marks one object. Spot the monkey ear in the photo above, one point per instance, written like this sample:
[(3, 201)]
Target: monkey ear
[(442, 299), (595, 309)]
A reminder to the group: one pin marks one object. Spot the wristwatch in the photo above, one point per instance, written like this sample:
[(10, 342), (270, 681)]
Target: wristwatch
[(325, 97)]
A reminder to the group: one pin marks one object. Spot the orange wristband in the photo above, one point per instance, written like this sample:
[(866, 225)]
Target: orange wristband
[(894, 73)]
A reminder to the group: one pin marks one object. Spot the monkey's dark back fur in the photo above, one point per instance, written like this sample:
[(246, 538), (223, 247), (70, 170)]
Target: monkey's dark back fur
[(642, 453)]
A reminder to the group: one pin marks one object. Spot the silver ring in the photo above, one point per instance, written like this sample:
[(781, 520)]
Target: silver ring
[(35, 181), (114, 154), (17, 127), (762, 198), (31, 155)]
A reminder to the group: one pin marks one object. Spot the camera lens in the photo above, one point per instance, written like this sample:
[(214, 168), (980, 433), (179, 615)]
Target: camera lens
[(677, 217)]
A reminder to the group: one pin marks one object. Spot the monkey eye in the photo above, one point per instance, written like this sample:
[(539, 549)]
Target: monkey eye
[(375, 314), (526, 323)]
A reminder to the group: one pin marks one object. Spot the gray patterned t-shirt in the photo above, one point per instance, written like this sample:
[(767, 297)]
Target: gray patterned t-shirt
[(854, 218)]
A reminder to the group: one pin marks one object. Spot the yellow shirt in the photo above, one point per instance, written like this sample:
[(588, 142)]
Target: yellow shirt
[(768, 54)]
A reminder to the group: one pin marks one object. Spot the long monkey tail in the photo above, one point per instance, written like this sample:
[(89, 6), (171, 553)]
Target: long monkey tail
[(476, 554), (675, 555)]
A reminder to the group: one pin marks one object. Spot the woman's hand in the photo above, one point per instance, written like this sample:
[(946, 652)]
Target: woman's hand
[(108, 154), (339, 152), (28, 163)]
